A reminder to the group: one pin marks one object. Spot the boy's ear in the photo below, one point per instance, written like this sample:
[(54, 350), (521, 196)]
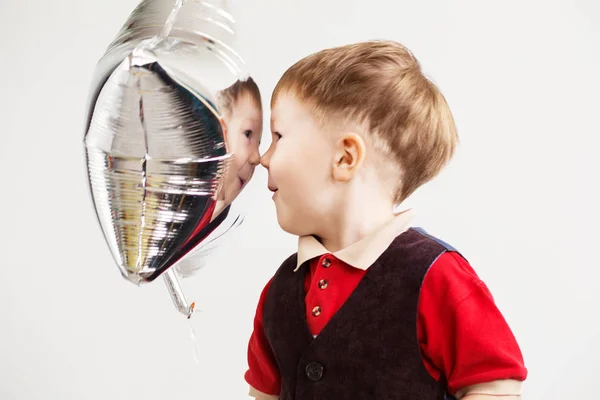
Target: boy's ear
[(349, 156)]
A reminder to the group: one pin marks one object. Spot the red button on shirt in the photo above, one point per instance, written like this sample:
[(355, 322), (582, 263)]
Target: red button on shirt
[(452, 306)]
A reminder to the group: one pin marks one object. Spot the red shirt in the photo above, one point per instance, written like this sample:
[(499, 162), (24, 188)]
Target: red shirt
[(459, 328)]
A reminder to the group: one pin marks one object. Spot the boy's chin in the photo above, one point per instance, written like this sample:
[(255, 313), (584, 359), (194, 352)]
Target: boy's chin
[(292, 226), (291, 231)]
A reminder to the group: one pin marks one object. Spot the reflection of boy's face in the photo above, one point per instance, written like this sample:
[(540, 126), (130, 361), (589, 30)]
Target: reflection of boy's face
[(244, 130)]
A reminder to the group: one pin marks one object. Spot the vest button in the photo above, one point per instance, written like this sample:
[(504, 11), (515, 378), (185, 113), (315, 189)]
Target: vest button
[(314, 371), (326, 262), (323, 284)]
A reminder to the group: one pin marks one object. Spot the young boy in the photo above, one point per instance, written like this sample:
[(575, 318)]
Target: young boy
[(369, 308)]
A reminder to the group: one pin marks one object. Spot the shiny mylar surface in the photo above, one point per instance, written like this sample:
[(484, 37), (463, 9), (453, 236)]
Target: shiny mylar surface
[(155, 145)]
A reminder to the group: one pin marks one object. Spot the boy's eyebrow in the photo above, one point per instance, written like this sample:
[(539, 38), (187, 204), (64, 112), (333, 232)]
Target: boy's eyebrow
[(252, 119)]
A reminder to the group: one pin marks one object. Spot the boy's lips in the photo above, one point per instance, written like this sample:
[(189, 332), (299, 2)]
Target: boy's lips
[(274, 190)]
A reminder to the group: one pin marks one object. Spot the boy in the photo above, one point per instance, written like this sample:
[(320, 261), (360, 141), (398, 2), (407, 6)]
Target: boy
[(369, 308)]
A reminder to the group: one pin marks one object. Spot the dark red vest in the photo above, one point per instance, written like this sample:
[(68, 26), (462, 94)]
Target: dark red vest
[(369, 349)]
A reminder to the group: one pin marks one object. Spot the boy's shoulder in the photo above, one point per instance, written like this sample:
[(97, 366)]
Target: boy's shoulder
[(428, 235), (417, 256), (450, 275), (418, 240), (288, 265)]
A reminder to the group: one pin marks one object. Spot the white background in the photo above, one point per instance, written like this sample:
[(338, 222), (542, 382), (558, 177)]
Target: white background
[(520, 199)]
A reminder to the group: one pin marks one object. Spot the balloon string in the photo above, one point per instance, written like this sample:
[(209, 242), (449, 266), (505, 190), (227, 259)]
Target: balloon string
[(176, 294)]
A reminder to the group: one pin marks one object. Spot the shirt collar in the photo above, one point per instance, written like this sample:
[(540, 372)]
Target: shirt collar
[(363, 253)]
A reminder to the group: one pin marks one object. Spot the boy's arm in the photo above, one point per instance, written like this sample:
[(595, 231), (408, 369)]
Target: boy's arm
[(507, 389), (263, 373), (464, 336), (258, 395)]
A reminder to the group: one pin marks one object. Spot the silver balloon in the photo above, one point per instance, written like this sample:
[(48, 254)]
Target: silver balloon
[(156, 147)]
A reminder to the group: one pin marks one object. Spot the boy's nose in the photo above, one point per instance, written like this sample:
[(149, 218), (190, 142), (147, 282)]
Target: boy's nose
[(254, 158), (264, 160)]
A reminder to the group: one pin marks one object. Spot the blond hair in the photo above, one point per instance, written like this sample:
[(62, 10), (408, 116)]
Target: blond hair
[(228, 97), (380, 85)]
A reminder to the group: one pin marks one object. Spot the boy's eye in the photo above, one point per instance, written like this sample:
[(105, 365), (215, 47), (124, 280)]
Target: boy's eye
[(277, 135), (248, 133)]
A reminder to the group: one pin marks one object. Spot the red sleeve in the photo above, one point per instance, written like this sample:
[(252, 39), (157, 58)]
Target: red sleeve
[(461, 331), (263, 373)]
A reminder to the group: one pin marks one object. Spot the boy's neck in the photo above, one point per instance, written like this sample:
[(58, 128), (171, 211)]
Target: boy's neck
[(355, 220)]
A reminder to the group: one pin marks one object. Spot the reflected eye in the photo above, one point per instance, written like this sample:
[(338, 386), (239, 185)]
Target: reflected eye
[(277, 135), (248, 133)]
